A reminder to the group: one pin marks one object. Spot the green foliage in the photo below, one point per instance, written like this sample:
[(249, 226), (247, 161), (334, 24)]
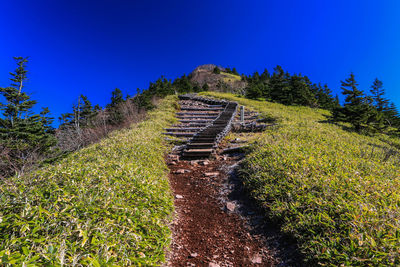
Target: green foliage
[(216, 70), (234, 72), (116, 98), (383, 105), (288, 89), (337, 192), (378, 93), (183, 84), (358, 109), (113, 108), (24, 135), (107, 204), (82, 113), (163, 87), (255, 91)]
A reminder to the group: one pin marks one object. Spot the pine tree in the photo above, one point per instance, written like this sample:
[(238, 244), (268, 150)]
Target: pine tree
[(300, 92), (116, 98), (265, 76), (183, 84), (324, 97), (253, 91), (378, 92), (82, 113), (205, 87), (234, 71), (216, 70), (391, 115), (113, 108), (280, 87), (47, 121), (357, 108), (24, 134), (97, 108)]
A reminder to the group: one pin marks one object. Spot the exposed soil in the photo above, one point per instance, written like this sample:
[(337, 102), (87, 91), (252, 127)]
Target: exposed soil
[(215, 224)]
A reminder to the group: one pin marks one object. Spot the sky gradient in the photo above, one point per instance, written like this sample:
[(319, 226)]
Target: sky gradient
[(91, 47)]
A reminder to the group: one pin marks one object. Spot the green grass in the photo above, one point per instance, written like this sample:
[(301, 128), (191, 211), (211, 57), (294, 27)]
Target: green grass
[(107, 204), (335, 191), (229, 77)]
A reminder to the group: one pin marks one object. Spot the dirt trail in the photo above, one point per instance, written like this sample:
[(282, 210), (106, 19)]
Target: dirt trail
[(205, 231), (215, 225)]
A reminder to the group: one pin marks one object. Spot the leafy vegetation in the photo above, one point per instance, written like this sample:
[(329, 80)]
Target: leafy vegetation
[(282, 87), (358, 109), (24, 136), (107, 204), (336, 191), (229, 77)]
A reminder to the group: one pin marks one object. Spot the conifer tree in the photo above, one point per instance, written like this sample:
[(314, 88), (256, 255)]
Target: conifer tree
[(357, 108), (378, 92), (265, 76), (24, 134), (82, 113), (216, 70), (279, 86), (116, 98), (113, 108), (300, 92), (253, 91), (234, 71), (391, 115)]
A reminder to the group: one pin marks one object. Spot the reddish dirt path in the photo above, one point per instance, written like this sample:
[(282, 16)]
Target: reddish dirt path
[(207, 231)]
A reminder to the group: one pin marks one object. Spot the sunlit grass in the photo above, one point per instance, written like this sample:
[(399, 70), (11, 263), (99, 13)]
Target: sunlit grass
[(107, 204), (336, 191), (229, 77)]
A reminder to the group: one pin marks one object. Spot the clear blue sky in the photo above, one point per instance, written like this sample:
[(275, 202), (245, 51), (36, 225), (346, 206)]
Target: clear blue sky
[(91, 47)]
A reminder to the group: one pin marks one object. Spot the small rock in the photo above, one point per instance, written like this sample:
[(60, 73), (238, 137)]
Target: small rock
[(174, 157), (211, 174), (230, 206), (204, 162), (256, 259), (178, 196), (173, 163), (194, 163), (193, 255), (239, 141), (213, 264), (181, 171)]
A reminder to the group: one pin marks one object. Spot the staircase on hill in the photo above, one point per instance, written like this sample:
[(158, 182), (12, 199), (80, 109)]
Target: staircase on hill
[(204, 122)]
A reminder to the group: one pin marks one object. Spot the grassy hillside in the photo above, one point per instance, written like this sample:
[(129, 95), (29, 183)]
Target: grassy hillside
[(107, 204), (229, 77), (336, 191)]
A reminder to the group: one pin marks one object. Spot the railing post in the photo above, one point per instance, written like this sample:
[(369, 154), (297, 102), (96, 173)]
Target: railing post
[(241, 114)]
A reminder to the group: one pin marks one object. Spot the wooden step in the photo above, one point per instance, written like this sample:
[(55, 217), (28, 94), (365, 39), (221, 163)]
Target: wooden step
[(181, 134)]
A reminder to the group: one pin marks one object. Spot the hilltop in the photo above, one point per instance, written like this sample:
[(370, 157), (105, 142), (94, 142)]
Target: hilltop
[(224, 81)]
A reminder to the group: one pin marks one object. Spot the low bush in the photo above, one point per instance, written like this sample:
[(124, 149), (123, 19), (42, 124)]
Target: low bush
[(107, 204)]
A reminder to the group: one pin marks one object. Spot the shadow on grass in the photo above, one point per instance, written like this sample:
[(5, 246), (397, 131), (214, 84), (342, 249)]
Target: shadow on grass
[(283, 246), (329, 120)]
